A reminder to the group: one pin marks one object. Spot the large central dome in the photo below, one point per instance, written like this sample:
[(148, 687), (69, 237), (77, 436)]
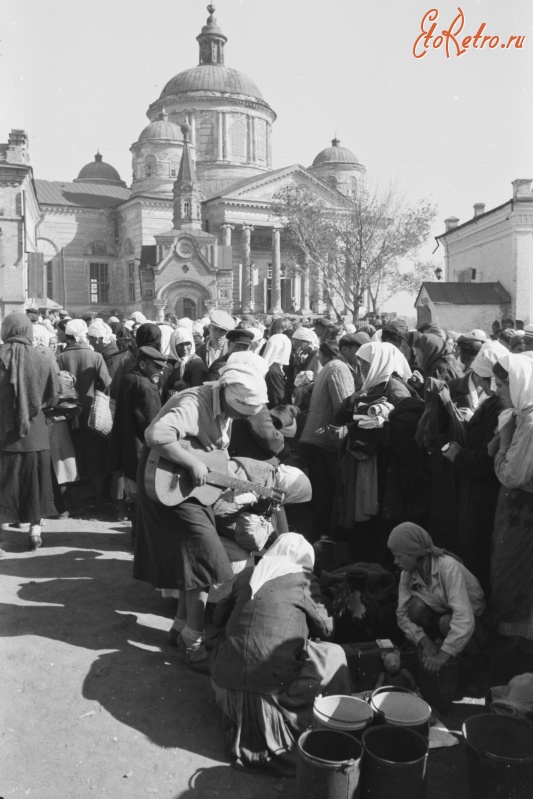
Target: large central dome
[(212, 78)]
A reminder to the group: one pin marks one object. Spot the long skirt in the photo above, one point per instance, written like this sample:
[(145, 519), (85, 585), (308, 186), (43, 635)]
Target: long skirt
[(512, 563), (177, 547), (92, 453), (262, 729), (26, 493)]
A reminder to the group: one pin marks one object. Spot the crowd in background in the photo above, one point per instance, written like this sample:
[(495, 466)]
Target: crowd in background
[(388, 432)]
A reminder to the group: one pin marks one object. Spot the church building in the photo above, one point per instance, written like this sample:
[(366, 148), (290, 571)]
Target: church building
[(194, 231)]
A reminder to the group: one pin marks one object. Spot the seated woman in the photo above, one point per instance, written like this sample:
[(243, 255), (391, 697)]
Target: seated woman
[(439, 602), (266, 671)]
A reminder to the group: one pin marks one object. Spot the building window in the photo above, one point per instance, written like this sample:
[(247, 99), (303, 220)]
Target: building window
[(150, 166), (131, 282), (50, 280), (99, 282), (186, 209), (206, 139), (238, 139)]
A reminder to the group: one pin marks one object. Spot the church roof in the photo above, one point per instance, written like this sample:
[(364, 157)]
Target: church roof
[(212, 78), (467, 293), (335, 154), (80, 194), (161, 128), (100, 172)]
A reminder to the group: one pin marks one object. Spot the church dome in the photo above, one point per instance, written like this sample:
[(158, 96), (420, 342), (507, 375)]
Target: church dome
[(161, 128), (99, 172), (335, 155), (212, 78)]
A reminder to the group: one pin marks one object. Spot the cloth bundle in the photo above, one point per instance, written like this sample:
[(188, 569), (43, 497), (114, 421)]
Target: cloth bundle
[(303, 378), (514, 699), (382, 409)]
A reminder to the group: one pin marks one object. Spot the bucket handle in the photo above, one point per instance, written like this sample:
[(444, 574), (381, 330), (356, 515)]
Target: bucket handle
[(500, 759), (348, 765)]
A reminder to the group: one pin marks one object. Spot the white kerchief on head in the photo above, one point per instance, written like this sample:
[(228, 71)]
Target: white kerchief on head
[(99, 329), (305, 334), (185, 322), (76, 328), (41, 335), (278, 350), (166, 335), (291, 553), (244, 387), (181, 335), (250, 359), (488, 355), (138, 317), (520, 369), (384, 360)]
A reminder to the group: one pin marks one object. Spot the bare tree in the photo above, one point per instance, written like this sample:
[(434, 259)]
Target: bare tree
[(358, 246)]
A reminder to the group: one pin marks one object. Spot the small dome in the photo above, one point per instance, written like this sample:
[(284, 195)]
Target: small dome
[(99, 172), (161, 128), (336, 155), (211, 78)]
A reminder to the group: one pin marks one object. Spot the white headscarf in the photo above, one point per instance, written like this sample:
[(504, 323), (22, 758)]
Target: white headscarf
[(520, 369), (138, 317), (78, 329), (251, 359), (185, 322), (294, 483), (244, 387), (257, 340), (99, 329), (488, 355), (166, 335), (181, 335), (41, 335), (289, 554), (278, 349), (305, 334), (384, 359)]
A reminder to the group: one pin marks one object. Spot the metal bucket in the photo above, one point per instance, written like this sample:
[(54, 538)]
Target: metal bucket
[(401, 708), (328, 765), (394, 763), (342, 713)]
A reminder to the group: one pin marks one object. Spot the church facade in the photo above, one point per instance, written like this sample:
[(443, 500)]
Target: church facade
[(193, 231)]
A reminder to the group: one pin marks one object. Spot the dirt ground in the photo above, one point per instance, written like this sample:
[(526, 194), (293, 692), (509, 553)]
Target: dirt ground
[(93, 699)]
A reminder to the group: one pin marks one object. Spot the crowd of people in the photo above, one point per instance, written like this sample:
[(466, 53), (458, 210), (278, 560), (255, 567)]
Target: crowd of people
[(414, 448)]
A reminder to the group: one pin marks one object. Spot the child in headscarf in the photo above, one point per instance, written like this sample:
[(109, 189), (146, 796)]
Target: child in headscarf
[(439, 599)]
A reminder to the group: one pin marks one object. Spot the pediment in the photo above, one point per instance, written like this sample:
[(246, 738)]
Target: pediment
[(186, 251), (263, 188)]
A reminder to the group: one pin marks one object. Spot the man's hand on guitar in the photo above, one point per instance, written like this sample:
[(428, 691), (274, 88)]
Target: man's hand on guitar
[(198, 472)]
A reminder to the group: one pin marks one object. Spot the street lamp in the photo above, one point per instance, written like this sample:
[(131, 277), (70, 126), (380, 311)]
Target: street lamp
[(438, 272)]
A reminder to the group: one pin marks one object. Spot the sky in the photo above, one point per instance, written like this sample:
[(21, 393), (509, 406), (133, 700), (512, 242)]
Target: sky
[(78, 75)]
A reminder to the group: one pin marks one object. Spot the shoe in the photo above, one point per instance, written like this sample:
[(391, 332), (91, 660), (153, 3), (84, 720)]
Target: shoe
[(34, 542), (64, 514)]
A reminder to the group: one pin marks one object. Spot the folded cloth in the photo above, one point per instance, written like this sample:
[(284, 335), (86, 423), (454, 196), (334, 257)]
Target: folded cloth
[(439, 736), (368, 423), (381, 409)]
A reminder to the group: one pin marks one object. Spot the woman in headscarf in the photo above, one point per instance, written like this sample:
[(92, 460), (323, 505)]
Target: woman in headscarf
[(439, 599), (474, 468), (364, 457), (277, 354), (90, 373), (177, 547), (146, 335), (29, 382), (103, 340), (512, 544), (166, 334), (123, 337), (435, 358), (138, 319), (189, 370), (266, 670)]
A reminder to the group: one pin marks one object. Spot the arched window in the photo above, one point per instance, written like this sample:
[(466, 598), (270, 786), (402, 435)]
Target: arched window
[(150, 166), (189, 308), (205, 139), (332, 180), (238, 139), (174, 166), (186, 208)]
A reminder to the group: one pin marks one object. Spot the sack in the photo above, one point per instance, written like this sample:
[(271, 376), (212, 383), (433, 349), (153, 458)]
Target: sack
[(101, 414)]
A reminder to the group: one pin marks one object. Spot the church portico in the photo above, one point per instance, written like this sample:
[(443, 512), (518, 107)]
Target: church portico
[(185, 297)]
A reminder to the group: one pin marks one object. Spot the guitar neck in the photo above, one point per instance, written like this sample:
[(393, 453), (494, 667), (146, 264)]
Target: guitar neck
[(225, 481)]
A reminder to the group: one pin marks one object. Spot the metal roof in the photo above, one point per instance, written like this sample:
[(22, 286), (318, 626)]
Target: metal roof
[(80, 195), (467, 293), (212, 78)]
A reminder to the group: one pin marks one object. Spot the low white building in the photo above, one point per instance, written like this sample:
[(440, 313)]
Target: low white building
[(462, 306)]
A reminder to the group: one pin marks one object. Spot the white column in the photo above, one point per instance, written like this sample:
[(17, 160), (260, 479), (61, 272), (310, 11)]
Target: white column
[(160, 306), (305, 289), (227, 228), (220, 135), (247, 282), (275, 294)]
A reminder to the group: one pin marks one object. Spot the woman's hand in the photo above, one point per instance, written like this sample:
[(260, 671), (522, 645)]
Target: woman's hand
[(198, 472), (452, 451), (416, 379), (434, 663)]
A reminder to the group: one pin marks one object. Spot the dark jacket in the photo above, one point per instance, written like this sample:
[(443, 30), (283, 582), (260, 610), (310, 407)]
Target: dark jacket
[(394, 391), (114, 359), (90, 371), (194, 374), (262, 648), (276, 380), (256, 437), (213, 372), (138, 403)]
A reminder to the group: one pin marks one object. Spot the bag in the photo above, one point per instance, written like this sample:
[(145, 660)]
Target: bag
[(365, 662), (102, 414)]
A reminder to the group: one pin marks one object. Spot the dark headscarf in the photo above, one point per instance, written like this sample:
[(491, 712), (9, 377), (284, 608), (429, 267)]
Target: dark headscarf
[(28, 379), (412, 337), (125, 339), (431, 349), (148, 335), (410, 539)]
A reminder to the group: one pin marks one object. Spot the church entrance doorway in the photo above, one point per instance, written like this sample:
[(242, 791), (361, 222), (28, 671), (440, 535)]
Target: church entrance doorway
[(192, 309)]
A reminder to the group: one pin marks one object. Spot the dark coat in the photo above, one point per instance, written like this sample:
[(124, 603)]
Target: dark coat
[(194, 374), (90, 371), (114, 358), (213, 372), (394, 391), (138, 403), (256, 437), (263, 645), (276, 381), (478, 491)]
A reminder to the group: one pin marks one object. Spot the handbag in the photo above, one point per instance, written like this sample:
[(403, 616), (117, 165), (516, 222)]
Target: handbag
[(102, 414)]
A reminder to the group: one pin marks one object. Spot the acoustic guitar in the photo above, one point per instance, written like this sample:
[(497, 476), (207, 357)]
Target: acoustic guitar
[(171, 484)]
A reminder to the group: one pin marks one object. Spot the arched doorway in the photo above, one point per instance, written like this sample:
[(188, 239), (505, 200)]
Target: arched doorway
[(189, 307)]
